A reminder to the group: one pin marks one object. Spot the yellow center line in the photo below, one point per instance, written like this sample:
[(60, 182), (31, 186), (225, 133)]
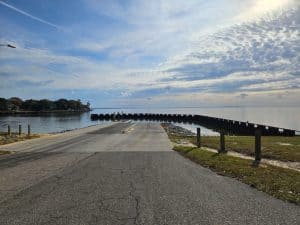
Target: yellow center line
[(129, 129)]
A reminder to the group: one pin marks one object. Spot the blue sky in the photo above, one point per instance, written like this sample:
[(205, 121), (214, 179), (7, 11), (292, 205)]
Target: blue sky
[(117, 53)]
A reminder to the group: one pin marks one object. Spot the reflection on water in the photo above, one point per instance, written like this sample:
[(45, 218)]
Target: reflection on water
[(288, 117)]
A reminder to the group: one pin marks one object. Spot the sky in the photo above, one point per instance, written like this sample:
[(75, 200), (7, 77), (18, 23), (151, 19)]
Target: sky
[(160, 53)]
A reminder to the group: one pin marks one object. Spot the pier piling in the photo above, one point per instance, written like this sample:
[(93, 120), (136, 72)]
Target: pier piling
[(198, 137), (258, 145), (222, 142), (28, 130)]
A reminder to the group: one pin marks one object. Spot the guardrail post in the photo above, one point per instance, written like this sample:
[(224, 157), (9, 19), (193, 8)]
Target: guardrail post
[(28, 130), (8, 130), (222, 142), (257, 145), (198, 137), (20, 129)]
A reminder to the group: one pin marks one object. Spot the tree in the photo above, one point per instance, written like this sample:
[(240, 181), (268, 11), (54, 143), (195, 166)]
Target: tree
[(31, 105), (72, 104), (61, 104), (15, 103), (3, 104), (46, 104)]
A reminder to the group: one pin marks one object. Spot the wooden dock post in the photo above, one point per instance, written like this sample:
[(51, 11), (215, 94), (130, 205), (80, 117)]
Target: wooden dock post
[(198, 137), (257, 145), (222, 142), (8, 130), (20, 129), (28, 130)]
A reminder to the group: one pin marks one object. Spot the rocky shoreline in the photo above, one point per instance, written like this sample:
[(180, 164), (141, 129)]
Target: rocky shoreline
[(176, 130)]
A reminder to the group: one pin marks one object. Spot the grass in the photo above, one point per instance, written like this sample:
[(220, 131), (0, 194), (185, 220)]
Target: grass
[(278, 182), (14, 137), (273, 147), (285, 149), (181, 138)]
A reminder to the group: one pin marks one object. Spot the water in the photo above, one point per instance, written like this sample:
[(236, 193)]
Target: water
[(287, 117)]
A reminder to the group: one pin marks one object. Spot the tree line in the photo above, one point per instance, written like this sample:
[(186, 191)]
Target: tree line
[(17, 104)]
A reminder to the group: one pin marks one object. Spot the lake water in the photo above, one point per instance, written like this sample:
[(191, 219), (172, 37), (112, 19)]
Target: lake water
[(288, 117)]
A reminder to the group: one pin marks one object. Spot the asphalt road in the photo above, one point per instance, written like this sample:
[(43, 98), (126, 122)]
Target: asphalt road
[(124, 174)]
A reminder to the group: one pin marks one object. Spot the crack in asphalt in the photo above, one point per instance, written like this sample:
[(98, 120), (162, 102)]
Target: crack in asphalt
[(132, 196), (137, 203)]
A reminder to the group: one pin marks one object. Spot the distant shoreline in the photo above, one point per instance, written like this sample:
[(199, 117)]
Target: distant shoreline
[(43, 112)]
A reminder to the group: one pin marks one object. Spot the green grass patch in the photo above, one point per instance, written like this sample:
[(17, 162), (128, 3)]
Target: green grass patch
[(281, 148), (278, 182), (273, 147)]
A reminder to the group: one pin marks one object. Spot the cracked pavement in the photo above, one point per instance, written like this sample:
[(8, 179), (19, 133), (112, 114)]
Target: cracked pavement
[(124, 173)]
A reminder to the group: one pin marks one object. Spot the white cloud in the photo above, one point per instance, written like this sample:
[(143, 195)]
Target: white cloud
[(36, 65), (269, 47), (260, 8), (165, 28), (194, 47)]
